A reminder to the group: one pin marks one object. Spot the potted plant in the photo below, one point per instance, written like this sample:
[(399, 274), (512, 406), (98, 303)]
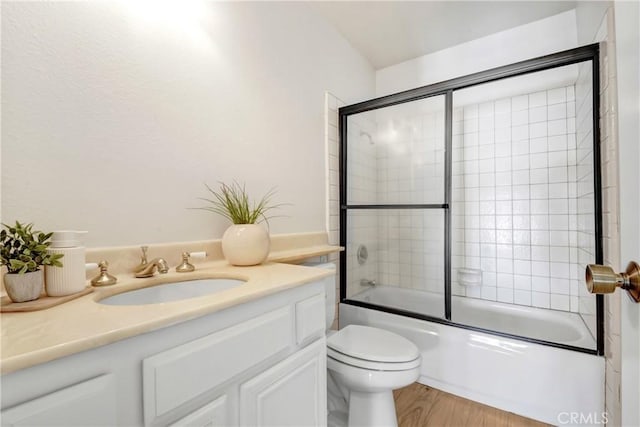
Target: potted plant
[(23, 252), (245, 242)]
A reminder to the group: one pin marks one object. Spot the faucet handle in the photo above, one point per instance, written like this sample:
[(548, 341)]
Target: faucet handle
[(104, 278), (185, 267), (143, 258)]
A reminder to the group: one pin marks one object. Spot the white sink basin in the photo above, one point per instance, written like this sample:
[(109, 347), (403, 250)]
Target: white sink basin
[(174, 291)]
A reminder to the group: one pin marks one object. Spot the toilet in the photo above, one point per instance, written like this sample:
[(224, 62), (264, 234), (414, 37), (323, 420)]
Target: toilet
[(364, 366)]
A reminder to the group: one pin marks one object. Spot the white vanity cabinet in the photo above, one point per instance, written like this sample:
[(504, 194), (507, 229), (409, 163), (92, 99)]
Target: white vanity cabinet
[(259, 363)]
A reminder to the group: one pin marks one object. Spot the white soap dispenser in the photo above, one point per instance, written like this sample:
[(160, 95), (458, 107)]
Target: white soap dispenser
[(71, 277)]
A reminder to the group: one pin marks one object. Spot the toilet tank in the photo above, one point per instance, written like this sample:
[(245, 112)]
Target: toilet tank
[(330, 290)]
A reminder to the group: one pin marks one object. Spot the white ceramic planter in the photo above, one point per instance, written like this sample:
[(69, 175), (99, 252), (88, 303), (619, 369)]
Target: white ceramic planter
[(245, 244), (24, 287)]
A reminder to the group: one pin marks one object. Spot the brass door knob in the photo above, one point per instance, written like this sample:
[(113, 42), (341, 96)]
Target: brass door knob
[(601, 279)]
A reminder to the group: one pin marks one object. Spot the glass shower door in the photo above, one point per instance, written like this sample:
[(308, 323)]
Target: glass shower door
[(395, 206), (524, 206)]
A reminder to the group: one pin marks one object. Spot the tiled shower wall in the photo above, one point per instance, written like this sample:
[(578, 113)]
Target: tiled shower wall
[(514, 199)]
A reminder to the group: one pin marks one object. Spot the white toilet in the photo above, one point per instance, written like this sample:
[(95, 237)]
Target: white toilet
[(365, 365)]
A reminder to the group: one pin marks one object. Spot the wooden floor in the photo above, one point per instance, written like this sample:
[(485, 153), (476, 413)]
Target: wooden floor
[(418, 405)]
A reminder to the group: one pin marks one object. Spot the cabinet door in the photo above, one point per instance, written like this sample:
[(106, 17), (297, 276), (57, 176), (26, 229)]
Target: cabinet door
[(89, 403), (291, 393), (211, 415)]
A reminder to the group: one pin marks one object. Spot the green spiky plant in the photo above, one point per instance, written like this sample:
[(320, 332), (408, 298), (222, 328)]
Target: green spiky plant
[(24, 250), (232, 202)]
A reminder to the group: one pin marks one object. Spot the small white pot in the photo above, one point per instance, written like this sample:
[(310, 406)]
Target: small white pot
[(24, 287), (245, 244)]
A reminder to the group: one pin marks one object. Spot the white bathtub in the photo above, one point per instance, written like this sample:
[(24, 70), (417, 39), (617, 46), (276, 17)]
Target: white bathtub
[(537, 381), (547, 325)]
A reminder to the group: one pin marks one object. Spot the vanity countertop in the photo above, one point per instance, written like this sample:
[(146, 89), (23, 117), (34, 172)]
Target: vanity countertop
[(40, 336)]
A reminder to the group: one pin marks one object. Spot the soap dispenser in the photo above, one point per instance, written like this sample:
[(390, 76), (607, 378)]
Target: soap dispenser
[(71, 277)]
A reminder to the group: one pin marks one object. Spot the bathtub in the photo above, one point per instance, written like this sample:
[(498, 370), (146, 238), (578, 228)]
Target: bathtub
[(546, 325), (533, 380)]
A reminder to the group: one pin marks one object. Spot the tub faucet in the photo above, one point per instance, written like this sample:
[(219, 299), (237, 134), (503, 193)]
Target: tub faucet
[(365, 282), (147, 269)]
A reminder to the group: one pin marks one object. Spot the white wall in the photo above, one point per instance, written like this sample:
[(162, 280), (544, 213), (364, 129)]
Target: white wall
[(115, 113), (589, 16), (551, 35)]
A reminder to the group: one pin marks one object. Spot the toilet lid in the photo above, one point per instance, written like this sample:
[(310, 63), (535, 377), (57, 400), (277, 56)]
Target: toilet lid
[(372, 344)]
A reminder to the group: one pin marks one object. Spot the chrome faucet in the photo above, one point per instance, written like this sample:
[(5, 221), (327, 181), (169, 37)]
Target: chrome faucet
[(147, 269)]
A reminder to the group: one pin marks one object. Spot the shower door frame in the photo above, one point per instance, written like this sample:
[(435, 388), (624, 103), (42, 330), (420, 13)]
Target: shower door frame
[(446, 88)]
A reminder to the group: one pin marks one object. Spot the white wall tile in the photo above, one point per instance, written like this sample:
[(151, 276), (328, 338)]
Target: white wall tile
[(488, 293), (557, 111), (540, 253), (540, 283), (505, 295), (540, 299), (560, 302), (505, 280), (538, 99), (538, 114), (502, 106), (522, 297), (538, 130), (519, 103), (539, 176), (558, 142), (522, 282), (557, 127), (539, 160), (520, 147), (519, 118), (556, 96), (522, 267)]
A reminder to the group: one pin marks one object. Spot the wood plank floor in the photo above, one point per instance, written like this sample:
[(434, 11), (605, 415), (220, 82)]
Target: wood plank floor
[(418, 405)]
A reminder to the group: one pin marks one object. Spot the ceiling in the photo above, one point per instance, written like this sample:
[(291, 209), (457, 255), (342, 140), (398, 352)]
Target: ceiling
[(389, 32)]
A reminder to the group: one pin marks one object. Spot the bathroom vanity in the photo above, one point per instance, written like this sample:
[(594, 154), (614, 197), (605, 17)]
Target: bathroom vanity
[(254, 356)]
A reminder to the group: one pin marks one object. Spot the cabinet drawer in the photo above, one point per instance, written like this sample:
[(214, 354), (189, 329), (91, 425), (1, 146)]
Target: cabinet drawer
[(91, 402), (176, 376)]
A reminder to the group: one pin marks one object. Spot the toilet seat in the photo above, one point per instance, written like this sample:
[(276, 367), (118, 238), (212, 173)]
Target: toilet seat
[(372, 365), (372, 348)]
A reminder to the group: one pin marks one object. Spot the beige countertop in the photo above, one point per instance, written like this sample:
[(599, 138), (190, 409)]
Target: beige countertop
[(36, 337)]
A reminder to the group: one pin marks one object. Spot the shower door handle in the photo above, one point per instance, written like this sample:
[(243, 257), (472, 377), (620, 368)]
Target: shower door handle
[(601, 279)]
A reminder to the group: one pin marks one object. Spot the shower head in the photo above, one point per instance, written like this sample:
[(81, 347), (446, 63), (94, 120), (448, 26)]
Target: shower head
[(368, 135)]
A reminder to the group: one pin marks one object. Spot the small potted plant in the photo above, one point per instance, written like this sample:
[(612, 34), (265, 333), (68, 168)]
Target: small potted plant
[(23, 252), (245, 242)]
